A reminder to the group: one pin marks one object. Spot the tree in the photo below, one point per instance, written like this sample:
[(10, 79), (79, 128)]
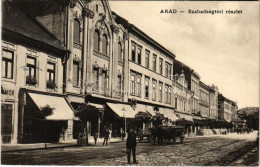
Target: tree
[(86, 112), (251, 115), (142, 117), (45, 112)]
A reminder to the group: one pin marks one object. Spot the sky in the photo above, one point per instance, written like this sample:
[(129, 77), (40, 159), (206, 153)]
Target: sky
[(222, 48)]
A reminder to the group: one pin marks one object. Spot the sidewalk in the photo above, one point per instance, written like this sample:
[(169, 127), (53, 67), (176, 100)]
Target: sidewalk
[(249, 159), (36, 146)]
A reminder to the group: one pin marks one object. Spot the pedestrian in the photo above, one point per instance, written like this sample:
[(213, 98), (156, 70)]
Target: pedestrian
[(110, 134), (95, 135), (106, 136), (131, 146)]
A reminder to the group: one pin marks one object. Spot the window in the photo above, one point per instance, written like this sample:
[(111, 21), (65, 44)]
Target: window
[(166, 94), (147, 87), (51, 71), (138, 86), (147, 57), (96, 41), (75, 80), (76, 31), (31, 65), (120, 55), (166, 70), (170, 71), (160, 92), (169, 95), (119, 85), (95, 79), (161, 65), (133, 52), (154, 89), (176, 102), (132, 84), (104, 45), (139, 55), (7, 64), (103, 83), (154, 63)]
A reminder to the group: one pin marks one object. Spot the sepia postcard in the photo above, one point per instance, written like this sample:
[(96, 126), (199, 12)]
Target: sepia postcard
[(130, 83)]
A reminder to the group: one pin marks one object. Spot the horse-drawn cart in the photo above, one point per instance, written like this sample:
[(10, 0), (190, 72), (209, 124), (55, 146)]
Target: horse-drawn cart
[(167, 134)]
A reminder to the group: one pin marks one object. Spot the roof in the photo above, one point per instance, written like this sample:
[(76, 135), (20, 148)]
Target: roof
[(17, 21), (223, 98), (140, 33), (203, 85)]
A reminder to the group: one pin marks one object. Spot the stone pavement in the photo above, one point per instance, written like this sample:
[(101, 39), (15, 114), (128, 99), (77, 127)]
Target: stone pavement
[(34, 146), (249, 159)]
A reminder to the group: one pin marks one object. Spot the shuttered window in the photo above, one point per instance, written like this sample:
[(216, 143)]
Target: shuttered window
[(120, 57), (96, 41), (104, 45), (76, 33), (75, 73)]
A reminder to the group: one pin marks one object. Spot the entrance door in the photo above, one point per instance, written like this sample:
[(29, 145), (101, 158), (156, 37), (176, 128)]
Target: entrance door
[(6, 122)]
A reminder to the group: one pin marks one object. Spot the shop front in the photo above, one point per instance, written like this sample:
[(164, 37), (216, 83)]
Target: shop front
[(56, 126), (119, 116)]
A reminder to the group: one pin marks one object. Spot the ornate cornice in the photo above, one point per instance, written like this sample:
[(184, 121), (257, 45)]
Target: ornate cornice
[(114, 28), (88, 13)]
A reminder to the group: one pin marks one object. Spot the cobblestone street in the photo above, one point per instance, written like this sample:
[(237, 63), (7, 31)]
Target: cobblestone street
[(214, 150)]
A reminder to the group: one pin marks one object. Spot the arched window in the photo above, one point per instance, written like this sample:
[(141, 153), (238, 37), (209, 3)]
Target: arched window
[(96, 40), (76, 33), (104, 45), (120, 58)]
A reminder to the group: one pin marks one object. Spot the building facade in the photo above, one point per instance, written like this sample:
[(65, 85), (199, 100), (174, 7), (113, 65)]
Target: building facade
[(224, 108), (32, 71), (204, 100), (80, 52), (213, 102)]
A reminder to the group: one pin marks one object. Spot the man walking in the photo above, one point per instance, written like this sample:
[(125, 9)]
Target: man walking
[(131, 145), (106, 137)]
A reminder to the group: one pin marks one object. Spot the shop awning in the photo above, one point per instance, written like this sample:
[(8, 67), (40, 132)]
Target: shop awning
[(187, 117), (122, 110), (62, 109), (150, 109), (170, 114), (144, 108), (196, 117)]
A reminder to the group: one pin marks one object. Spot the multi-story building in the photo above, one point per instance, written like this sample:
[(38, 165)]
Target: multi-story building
[(79, 52), (204, 100), (193, 80), (234, 109), (150, 69), (224, 108), (213, 102), (32, 77), (182, 97)]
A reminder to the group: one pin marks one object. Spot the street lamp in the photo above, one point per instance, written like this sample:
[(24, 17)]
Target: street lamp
[(124, 110)]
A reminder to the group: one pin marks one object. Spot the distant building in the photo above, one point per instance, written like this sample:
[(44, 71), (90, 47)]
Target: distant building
[(213, 102), (225, 108), (204, 100), (193, 80)]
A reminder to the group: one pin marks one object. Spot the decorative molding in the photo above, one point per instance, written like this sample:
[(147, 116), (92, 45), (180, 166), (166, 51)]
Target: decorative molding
[(76, 58), (114, 28), (120, 63), (126, 35), (88, 13), (100, 55), (72, 3), (76, 45)]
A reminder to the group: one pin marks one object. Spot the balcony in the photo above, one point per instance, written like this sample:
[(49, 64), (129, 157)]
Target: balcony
[(101, 55), (31, 80)]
